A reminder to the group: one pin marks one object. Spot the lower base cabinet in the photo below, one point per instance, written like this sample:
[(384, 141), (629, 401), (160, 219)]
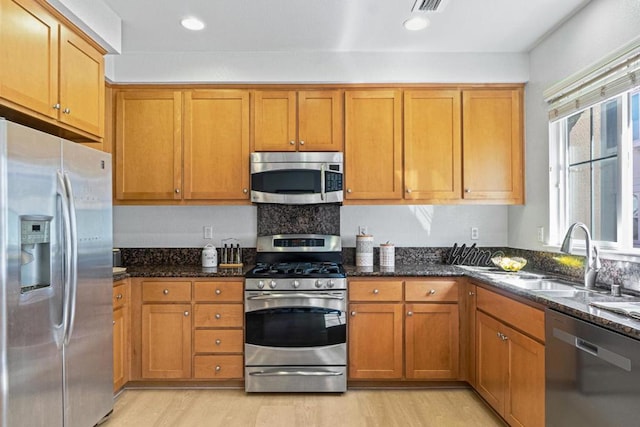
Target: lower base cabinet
[(121, 322), (510, 371)]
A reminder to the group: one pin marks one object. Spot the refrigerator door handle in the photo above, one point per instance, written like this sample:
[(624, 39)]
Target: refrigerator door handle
[(74, 258), (66, 231)]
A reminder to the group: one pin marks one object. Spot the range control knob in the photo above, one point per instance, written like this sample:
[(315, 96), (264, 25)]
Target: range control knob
[(330, 284), (272, 284), (295, 284), (318, 283), (260, 284)]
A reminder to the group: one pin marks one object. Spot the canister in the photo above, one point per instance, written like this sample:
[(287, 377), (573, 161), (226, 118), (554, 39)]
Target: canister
[(209, 256), (387, 255), (364, 250)]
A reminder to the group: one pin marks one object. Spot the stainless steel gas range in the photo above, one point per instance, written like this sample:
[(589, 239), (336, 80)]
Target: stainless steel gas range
[(295, 316)]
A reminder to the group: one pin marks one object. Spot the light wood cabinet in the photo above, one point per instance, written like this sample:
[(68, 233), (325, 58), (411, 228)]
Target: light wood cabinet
[(416, 324), (298, 120), (49, 71), (432, 145), (493, 168), (121, 333), (373, 145), (165, 152), (509, 367)]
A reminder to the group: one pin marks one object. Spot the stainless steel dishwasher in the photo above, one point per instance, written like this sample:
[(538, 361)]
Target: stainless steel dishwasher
[(592, 374)]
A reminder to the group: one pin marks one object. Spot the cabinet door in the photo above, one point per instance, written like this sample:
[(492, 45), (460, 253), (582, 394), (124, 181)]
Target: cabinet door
[(120, 356), (320, 120), (373, 144), (375, 341), (29, 56), (216, 145), (274, 120), (524, 404), (149, 145), (81, 84), (431, 341), (432, 145), (493, 147), (491, 362), (166, 341)]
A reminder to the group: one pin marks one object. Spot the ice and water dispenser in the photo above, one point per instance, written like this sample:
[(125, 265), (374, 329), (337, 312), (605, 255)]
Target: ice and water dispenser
[(35, 252)]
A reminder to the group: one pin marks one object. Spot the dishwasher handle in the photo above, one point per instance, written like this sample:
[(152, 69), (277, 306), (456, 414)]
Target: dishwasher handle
[(593, 349)]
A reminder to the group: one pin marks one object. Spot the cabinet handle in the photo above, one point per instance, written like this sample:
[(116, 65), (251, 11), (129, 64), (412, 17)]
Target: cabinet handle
[(410, 313), (245, 190), (504, 337), (114, 322), (467, 190), (499, 335), (292, 143), (218, 368), (218, 291), (432, 292), (376, 292), (186, 313), (66, 111), (218, 315), (177, 191), (471, 293), (56, 106), (218, 342), (119, 296), (166, 292), (408, 190), (353, 313), (348, 190), (301, 142)]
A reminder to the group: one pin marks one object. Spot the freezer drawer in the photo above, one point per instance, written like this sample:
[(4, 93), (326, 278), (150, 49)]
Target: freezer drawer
[(592, 374)]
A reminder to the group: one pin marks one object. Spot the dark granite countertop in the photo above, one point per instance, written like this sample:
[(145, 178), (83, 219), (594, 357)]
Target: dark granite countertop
[(574, 306)]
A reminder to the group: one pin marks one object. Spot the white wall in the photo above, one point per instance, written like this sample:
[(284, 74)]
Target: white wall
[(416, 226), (596, 30)]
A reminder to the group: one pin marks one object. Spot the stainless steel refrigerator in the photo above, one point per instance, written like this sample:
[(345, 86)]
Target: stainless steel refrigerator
[(56, 358)]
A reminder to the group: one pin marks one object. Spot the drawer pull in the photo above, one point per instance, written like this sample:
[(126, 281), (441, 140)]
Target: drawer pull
[(245, 190), (114, 322), (218, 315), (376, 292), (218, 342), (353, 313), (218, 368), (432, 292), (410, 313), (166, 292), (218, 291), (119, 296), (471, 293), (186, 313)]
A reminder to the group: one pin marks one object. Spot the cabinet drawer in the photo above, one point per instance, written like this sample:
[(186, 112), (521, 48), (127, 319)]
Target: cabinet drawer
[(120, 296), (218, 367), (521, 316), (218, 341), (375, 290), (166, 291), (431, 290), (219, 315), (218, 291)]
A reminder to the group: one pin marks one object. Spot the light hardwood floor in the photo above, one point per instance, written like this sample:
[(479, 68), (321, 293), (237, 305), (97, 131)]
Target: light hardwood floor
[(231, 408)]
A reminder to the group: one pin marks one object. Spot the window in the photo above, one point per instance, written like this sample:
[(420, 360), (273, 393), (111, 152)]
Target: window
[(595, 172)]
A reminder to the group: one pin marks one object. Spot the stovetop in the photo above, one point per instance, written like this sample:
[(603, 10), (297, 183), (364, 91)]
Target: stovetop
[(297, 270)]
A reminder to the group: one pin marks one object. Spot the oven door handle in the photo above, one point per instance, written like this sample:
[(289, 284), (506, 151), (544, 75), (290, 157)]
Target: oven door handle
[(296, 295), (295, 374)]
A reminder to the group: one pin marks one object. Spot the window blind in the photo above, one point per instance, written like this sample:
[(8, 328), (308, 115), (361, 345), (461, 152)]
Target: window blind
[(615, 74)]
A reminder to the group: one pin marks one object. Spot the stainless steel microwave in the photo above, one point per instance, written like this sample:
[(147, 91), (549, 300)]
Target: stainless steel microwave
[(297, 178)]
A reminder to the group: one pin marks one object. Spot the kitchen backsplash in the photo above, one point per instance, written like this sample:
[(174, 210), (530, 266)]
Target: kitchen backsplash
[(298, 219)]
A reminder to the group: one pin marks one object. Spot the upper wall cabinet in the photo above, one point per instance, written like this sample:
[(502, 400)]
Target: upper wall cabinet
[(493, 168), (48, 71), (298, 120), (373, 144), (164, 155)]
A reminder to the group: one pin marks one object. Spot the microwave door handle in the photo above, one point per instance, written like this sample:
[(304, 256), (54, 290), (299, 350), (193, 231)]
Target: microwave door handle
[(322, 177)]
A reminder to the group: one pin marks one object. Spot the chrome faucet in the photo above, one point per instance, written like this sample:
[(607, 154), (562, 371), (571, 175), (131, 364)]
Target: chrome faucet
[(591, 266)]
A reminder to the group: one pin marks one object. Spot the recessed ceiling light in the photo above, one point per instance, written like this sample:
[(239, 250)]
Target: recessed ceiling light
[(193, 24), (416, 23)]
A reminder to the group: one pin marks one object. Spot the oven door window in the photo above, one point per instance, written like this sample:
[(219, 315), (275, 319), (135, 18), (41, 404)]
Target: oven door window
[(288, 181), (296, 327)]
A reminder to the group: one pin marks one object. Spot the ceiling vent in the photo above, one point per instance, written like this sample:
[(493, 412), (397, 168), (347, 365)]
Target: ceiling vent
[(429, 5)]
